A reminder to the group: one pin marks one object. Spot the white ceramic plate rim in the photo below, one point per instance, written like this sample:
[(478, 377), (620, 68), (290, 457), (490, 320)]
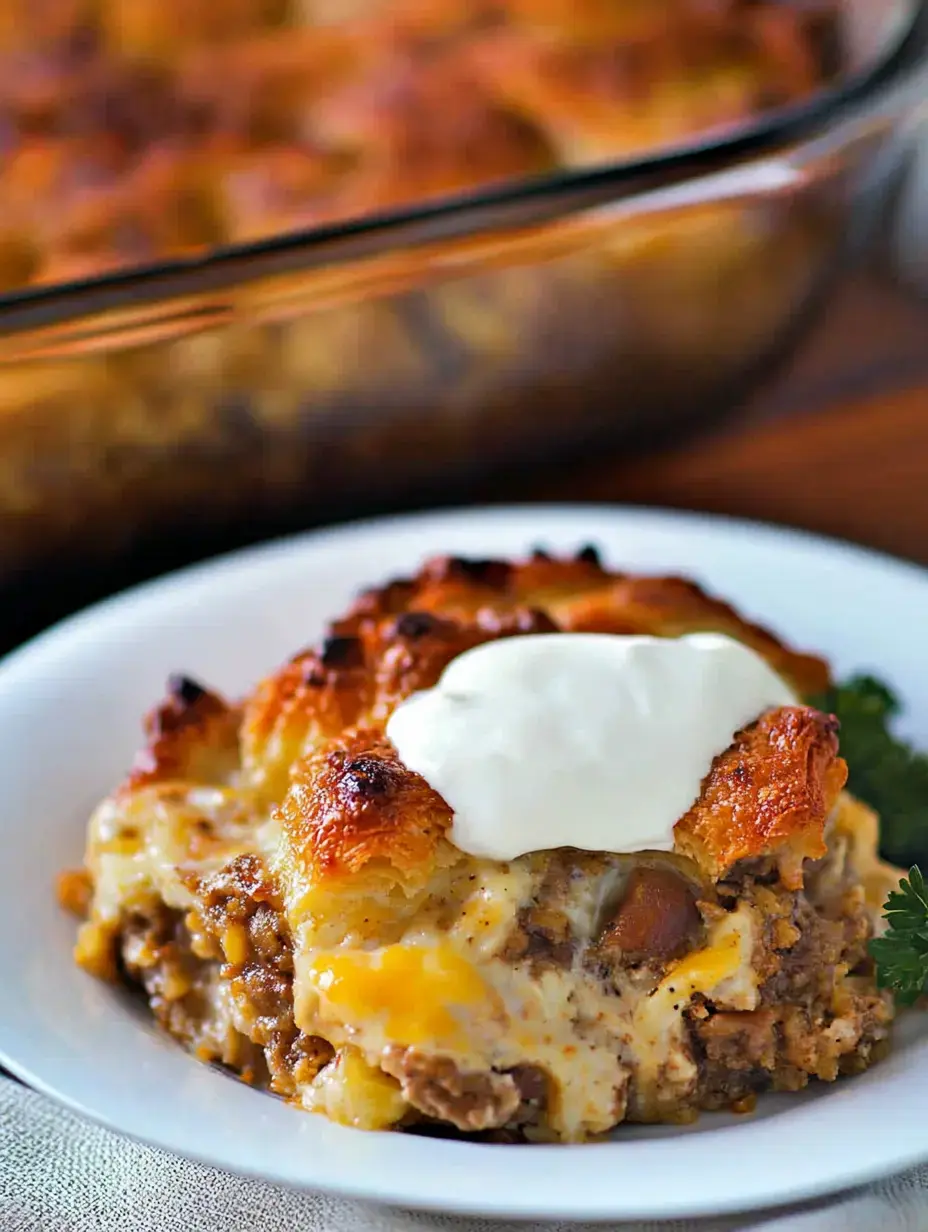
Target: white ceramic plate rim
[(75, 1040)]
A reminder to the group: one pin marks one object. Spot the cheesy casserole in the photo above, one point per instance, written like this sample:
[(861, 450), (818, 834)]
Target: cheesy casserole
[(285, 892)]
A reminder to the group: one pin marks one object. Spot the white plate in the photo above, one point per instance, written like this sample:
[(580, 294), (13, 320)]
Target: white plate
[(69, 720)]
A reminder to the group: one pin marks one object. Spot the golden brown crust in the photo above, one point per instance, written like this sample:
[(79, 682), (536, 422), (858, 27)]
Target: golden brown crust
[(397, 639), (356, 804), (310, 701), (192, 735), (362, 670), (582, 596), (310, 739), (770, 793)]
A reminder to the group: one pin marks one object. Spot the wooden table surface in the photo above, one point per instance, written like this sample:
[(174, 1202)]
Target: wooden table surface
[(838, 446)]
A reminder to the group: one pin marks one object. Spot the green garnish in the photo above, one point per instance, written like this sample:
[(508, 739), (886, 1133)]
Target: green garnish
[(901, 954), (892, 777), (884, 771)]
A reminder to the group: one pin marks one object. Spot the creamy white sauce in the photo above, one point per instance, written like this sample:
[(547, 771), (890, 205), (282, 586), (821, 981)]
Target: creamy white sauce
[(583, 740)]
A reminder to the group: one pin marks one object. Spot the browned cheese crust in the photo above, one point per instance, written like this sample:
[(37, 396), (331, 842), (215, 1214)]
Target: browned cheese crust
[(191, 737), (773, 789), (768, 795)]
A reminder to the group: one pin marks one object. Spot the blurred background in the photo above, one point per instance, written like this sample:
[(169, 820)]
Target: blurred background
[(270, 263)]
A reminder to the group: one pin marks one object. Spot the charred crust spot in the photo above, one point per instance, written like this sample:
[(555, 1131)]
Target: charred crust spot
[(367, 778), (485, 572), (356, 803), (387, 600), (413, 625), (541, 555), (184, 690), (313, 675), (339, 651), (187, 707), (589, 555)]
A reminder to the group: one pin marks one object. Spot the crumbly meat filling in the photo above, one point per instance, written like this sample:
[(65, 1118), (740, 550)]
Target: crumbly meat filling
[(220, 979), (819, 1014), (187, 994)]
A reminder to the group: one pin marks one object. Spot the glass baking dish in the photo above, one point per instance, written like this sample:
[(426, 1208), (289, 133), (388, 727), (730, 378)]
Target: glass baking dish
[(395, 360)]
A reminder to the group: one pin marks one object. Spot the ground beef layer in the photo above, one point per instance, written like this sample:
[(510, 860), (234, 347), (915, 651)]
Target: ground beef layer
[(220, 980)]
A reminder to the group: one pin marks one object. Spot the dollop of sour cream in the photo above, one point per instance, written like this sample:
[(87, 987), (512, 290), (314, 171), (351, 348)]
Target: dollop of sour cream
[(593, 741)]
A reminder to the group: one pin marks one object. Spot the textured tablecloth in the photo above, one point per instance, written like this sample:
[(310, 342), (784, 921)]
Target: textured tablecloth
[(59, 1173)]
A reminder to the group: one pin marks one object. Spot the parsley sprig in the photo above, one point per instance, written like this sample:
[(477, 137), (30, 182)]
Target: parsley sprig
[(892, 777), (901, 954), (884, 771)]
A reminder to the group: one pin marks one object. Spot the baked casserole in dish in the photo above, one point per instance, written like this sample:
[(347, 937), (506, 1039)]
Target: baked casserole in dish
[(289, 896), (145, 129), (265, 262)]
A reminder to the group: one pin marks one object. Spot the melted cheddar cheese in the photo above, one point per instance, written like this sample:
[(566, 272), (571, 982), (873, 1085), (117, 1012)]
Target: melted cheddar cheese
[(419, 995)]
